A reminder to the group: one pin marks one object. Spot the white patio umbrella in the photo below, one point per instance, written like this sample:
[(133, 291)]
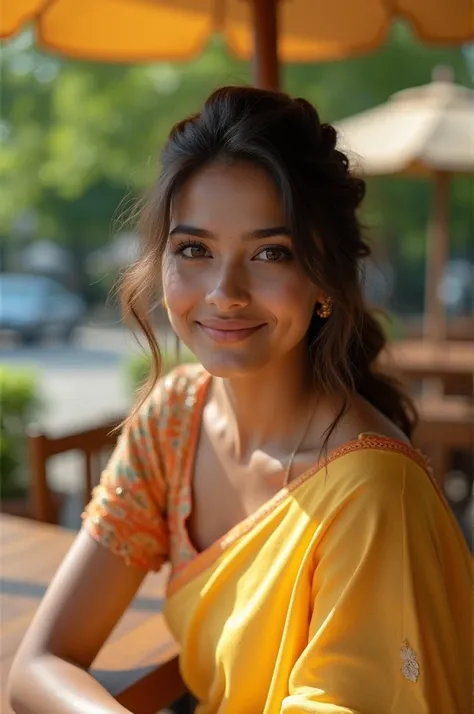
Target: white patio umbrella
[(425, 131)]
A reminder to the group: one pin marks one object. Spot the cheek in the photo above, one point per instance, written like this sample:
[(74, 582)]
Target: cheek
[(180, 290), (291, 299)]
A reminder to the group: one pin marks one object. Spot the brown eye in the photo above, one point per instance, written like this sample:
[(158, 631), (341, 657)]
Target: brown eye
[(274, 254), (194, 251), (191, 250)]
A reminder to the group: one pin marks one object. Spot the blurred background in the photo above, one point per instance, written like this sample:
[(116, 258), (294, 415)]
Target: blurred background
[(80, 143)]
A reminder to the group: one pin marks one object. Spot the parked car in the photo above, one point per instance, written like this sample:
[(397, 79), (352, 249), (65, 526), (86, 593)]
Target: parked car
[(33, 306)]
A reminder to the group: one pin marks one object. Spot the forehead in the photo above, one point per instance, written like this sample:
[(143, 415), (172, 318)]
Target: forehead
[(240, 195)]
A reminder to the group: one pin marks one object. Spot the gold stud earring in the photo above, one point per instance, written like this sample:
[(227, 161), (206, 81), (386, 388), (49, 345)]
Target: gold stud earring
[(325, 310), (164, 303)]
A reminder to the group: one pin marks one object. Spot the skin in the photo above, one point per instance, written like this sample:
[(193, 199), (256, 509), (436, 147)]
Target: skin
[(256, 410)]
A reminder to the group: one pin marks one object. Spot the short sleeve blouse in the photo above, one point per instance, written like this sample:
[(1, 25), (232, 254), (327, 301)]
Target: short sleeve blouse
[(140, 506)]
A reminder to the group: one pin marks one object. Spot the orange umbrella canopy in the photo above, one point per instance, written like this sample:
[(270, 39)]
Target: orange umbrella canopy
[(143, 30)]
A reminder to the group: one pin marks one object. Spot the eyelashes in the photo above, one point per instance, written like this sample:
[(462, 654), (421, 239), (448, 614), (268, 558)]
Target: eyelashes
[(284, 253), (191, 245), (197, 250)]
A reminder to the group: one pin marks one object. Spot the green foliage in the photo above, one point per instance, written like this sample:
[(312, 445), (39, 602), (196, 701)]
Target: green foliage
[(137, 368), (74, 128), (19, 403)]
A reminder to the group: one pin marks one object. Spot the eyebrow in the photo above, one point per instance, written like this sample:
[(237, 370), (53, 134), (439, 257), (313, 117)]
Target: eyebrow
[(258, 234)]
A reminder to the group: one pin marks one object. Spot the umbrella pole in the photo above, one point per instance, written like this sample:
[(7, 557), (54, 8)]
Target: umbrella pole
[(436, 259), (265, 61)]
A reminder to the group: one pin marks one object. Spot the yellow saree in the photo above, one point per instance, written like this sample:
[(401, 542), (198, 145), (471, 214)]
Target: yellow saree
[(348, 592)]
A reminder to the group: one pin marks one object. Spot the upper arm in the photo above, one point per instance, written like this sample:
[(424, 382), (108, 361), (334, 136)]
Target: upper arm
[(124, 535), (128, 511), (88, 595), (384, 638)]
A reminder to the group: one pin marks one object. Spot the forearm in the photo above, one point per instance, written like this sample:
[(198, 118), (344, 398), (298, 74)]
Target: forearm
[(50, 685)]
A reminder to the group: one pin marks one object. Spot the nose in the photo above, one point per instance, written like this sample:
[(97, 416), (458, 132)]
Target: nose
[(229, 291)]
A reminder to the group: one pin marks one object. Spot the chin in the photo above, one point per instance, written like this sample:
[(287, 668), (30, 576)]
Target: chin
[(231, 366)]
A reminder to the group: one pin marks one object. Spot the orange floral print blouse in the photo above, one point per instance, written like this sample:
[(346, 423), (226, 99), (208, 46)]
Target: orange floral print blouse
[(136, 511)]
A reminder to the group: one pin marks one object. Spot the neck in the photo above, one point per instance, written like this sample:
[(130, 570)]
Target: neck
[(265, 409)]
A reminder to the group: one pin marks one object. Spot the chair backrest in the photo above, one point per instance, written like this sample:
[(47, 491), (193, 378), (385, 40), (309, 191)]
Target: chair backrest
[(92, 443), (446, 425)]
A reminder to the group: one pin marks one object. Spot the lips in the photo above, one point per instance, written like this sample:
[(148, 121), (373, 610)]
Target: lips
[(229, 331)]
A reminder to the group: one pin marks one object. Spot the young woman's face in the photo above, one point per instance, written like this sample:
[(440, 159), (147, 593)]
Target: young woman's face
[(236, 295)]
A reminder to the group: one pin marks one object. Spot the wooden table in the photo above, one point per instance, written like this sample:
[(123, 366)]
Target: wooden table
[(30, 553), (450, 362)]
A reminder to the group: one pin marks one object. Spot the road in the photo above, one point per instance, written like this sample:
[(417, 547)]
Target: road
[(81, 384)]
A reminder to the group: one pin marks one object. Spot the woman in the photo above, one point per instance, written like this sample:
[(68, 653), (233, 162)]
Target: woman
[(315, 566)]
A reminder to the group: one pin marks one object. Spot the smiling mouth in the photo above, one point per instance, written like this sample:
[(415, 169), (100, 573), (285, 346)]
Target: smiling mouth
[(229, 336)]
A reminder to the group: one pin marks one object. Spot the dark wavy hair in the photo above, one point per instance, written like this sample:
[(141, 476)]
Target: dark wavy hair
[(320, 196)]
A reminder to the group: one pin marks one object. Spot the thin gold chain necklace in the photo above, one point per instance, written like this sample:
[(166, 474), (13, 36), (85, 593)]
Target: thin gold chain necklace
[(304, 432)]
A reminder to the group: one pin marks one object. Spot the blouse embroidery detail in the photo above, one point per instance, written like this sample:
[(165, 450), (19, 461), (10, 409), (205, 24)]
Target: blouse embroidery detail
[(410, 666)]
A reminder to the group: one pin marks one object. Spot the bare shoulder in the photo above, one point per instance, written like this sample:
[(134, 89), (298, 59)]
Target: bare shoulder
[(362, 417)]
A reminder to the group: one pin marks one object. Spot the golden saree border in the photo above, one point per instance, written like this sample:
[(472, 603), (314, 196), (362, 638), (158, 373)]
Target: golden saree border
[(181, 576)]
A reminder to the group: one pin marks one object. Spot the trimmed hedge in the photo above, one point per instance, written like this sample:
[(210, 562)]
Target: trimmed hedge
[(19, 404)]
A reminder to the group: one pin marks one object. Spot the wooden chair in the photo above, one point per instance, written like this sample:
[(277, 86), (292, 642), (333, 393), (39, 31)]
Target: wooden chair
[(442, 382), (446, 425), (424, 367), (92, 443)]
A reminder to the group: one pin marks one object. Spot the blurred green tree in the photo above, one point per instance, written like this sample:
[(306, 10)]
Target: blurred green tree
[(80, 136)]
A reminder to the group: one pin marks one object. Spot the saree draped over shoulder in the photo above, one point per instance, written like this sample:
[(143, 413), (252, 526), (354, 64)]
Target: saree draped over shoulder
[(349, 592)]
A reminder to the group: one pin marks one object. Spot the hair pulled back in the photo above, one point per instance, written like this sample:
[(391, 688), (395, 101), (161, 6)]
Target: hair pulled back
[(320, 197)]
